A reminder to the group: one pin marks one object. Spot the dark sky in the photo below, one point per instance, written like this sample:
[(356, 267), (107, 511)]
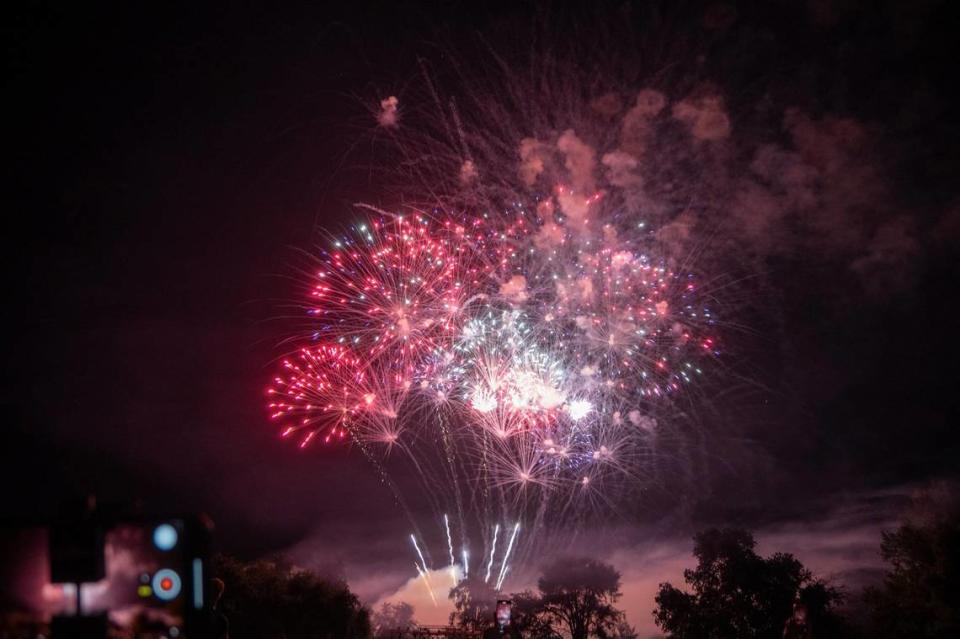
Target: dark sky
[(165, 163)]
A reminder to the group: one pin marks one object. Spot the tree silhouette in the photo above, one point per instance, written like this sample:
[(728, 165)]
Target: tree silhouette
[(474, 604), (528, 617), (270, 598), (391, 619), (738, 594), (577, 597), (920, 596), (624, 630)]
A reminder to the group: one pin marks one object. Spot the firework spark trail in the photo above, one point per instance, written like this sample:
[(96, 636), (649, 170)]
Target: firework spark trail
[(452, 469), (506, 556), (493, 552), (424, 570), (446, 525), (416, 547), (426, 583), (453, 562)]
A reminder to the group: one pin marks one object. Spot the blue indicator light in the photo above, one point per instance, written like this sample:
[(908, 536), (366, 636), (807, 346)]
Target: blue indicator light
[(165, 537)]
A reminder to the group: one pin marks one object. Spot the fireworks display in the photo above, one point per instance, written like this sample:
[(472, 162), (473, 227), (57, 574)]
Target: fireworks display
[(518, 341), (414, 313), (530, 377), (538, 365)]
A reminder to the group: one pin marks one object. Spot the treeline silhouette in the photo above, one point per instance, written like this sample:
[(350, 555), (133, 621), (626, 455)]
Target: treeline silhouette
[(731, 593), (272, 599)]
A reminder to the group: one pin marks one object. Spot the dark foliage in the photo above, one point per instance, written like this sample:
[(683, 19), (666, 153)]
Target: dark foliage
[(474, 603), (736, 594), (920, 596), (577, 597), (269, 599), (528, 618), (392, 620)]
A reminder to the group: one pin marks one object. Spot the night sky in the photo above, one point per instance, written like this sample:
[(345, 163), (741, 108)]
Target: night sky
[(167, 163)]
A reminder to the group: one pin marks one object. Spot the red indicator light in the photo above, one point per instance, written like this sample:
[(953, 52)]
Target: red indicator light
[(166, 583)]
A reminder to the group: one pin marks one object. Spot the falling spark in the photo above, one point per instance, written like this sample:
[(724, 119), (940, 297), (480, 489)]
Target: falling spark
[(493, 551), (446, 523), (506, 556), (419, 554), (423, 571), (453, 570), (426, 582)]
